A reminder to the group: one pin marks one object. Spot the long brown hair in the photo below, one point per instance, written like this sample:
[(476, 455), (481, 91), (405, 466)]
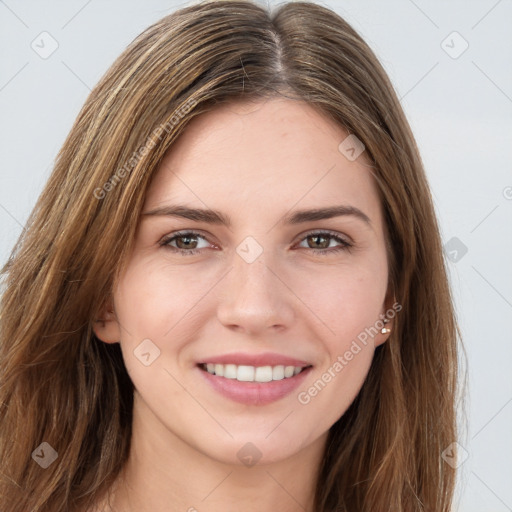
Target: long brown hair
[(60, 385)]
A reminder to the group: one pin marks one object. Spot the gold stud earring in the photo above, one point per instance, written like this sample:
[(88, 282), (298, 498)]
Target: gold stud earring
[(385, 330)]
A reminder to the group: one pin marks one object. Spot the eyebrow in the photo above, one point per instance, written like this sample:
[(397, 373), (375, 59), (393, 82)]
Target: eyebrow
[(297, 217)]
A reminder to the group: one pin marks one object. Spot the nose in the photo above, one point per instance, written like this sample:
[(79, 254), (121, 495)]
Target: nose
[(255, 298)]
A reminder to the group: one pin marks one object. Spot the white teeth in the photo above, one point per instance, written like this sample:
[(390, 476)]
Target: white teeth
[(230, 371), (263, 374), (219, 370), (246, 373), (288, 371), (278, 373)]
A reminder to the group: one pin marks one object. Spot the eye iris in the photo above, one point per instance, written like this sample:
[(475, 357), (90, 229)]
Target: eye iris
[(316, 237), (187, 244)]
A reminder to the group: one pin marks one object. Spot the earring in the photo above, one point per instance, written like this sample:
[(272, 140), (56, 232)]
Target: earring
[(385, 330)]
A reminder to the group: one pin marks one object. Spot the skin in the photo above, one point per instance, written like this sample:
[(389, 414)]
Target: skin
[(254, 162)]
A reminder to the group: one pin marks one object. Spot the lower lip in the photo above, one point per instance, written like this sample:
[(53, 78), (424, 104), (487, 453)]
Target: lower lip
[(254, 393)]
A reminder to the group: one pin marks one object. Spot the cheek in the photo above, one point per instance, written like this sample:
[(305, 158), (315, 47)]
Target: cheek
[(348, 304), (157, 300), (159, 303), (344, 300), (153, 299)]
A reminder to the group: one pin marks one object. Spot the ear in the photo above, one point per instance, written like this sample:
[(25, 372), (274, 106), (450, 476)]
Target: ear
[(106, 326), (386, 319)]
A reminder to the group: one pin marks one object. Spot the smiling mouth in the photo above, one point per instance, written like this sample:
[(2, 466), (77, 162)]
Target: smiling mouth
[(245, 373)]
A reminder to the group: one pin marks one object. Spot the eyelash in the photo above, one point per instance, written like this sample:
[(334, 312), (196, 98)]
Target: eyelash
[(346, 246)]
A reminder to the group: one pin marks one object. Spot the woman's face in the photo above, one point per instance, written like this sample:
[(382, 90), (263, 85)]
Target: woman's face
[(253, 286)]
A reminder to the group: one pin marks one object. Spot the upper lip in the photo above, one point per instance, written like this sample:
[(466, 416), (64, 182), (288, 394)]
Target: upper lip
[(265, 359)]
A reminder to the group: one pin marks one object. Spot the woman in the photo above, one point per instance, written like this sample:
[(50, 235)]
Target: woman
[(231, 292)]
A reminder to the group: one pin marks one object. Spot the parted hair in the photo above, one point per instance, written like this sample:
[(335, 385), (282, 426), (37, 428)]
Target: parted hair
[(59, 384)]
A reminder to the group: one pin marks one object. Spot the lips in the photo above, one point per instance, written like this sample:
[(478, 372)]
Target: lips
[(254, 379)]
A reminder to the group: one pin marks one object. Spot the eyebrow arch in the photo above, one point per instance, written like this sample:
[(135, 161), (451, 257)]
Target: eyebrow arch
[(296, 217)]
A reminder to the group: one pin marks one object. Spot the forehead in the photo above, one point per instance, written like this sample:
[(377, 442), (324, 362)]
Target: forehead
[(264, 157)]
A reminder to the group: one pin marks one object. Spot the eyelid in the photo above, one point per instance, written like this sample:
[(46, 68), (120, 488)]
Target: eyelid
[(182, 233)]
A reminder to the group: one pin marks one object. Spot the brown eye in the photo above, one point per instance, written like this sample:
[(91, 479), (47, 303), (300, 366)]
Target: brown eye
[(321, 241), (186, 243)]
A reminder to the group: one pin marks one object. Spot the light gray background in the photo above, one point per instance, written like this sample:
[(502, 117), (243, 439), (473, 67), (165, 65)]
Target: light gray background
[(460, 110)]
